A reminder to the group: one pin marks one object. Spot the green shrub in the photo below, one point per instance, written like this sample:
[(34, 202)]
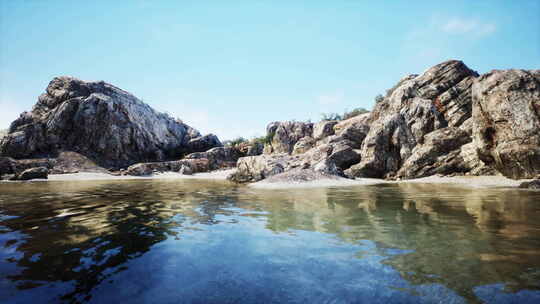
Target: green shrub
[(330, 116), (235, 142), (379, 98), (353, 113)]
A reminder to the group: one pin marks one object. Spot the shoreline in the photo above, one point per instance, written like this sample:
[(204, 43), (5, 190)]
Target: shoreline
[(486, 181)]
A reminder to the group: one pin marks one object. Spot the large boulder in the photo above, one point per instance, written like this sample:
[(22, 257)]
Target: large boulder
[(416, 106), (284, 135), (324, 129), (184, 166), (256, 168), (354, 130), (218, 158), (102, 122), (506, 119)]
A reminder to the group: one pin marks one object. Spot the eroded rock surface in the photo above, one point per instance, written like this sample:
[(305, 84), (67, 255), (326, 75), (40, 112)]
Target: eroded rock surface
[(417, 106), (102, 122), (506, 119)]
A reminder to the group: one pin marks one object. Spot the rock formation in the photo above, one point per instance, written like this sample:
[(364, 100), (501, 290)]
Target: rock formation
[(102, 122), (506, 120), (418, 105), (323, 149), (448, 120)]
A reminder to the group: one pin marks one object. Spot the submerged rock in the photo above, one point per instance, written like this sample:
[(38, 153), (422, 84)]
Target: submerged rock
[(506, 119), (102, 122), (534, 184), (33, 173)]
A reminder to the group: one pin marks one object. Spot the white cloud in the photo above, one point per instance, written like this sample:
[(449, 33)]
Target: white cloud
[(458, 25)]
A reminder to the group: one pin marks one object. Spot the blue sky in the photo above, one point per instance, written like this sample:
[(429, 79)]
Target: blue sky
[(231, 67)]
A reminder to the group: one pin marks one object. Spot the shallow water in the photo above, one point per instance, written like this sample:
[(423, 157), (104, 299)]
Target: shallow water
[(192, 241)]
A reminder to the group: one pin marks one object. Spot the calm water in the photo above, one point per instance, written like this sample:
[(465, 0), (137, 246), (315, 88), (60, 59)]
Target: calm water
[(188, 241)]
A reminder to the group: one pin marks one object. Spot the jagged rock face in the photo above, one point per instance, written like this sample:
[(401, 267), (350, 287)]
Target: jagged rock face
[(285, 135), (102, 122), (506, 116), (440, 154), (418, 105)]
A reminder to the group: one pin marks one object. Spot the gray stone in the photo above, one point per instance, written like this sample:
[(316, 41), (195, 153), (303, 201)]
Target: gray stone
[(418, 105), (219, 157), (303, 145), (33, 173), (506, 119), (102, 122), (285, 135), (324, 129)]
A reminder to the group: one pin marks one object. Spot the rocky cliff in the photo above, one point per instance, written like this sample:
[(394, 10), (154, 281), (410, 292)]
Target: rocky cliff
[(447, 120), (506, 121), (102, 122)]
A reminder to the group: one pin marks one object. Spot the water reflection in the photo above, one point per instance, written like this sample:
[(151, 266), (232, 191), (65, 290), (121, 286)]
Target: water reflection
[(96, 241)]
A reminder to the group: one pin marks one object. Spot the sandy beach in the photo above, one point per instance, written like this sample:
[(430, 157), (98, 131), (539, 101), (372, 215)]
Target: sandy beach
[(462, 181)]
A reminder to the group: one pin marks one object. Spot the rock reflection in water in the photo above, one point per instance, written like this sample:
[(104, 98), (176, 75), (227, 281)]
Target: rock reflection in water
[(73, 237)]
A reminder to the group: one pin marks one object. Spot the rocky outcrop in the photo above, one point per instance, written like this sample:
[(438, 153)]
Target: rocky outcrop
[(285, 135), (417, 106), (506, 119), (218, 158), (102, 122), (326, 158)]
